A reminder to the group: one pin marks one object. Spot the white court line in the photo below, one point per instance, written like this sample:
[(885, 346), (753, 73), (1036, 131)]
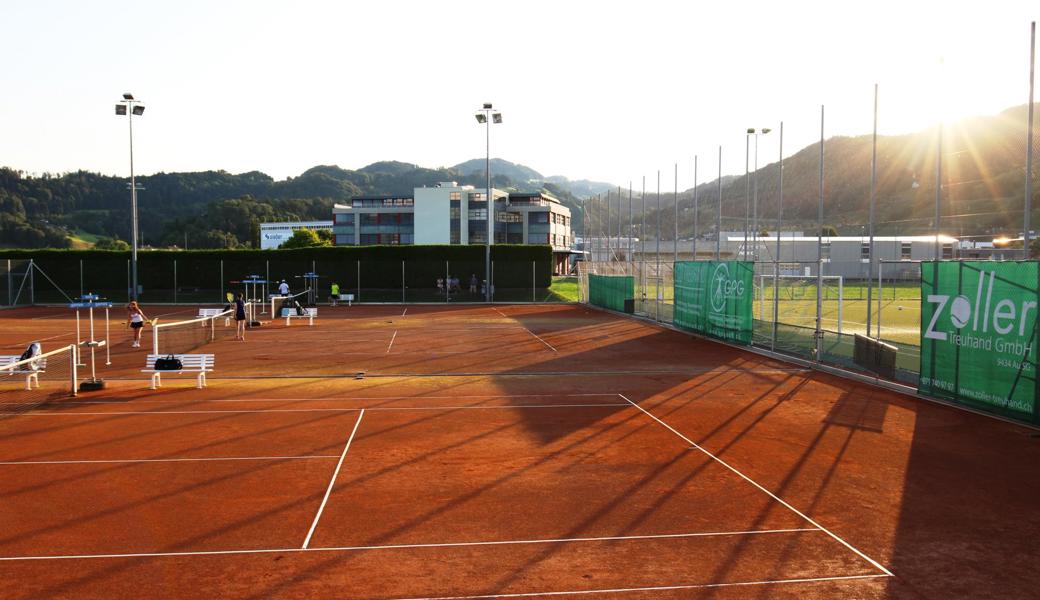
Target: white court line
[(299, 410), (337, 398), (529, 331), (615, 538), (656, 588), (756, 484), (162, 460), (405, 312), (332, 481), (391, 345)]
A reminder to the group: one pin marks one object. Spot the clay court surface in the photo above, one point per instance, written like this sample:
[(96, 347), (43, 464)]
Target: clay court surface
[(501, 452)]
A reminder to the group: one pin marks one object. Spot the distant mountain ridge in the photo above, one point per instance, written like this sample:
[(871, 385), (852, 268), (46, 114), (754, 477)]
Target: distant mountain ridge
[(983, 166)]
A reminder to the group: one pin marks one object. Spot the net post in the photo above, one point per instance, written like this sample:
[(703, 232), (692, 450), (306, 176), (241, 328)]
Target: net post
[(155, 339), (213, 328), (73, 359)]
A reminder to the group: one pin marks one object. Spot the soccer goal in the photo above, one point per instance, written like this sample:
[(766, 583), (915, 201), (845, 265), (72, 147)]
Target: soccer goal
[(796, 294)]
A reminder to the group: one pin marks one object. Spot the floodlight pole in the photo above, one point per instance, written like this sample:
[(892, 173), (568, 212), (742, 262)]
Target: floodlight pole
[(1029, 142), (718, 215), (486, 115), (129, 102)]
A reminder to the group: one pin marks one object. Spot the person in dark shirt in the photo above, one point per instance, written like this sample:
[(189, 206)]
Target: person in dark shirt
[(240, 317)]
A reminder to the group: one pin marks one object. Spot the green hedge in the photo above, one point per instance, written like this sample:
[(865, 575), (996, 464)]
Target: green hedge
[(380, 266)]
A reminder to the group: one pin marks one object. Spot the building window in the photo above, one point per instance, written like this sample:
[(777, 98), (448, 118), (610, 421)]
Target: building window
[(508, 217), (477, 197), (478, 214), (455, 213), (947, 251), (538, 217), (905, 250), (345, 240), (825, 251), (864, 251), (369, 218), (455, 196)]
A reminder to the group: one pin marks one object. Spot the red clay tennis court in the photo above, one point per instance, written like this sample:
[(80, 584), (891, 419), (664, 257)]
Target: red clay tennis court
[(521, 451)]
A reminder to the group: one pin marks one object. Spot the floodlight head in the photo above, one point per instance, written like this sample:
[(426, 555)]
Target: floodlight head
[(765, 130), (120, 109), (497, 117), (751, 130), (481, 117), (487, 106), (138, 110), (128, 96)]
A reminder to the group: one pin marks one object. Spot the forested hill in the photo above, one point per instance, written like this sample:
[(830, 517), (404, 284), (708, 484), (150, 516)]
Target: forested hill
[(214, 209)]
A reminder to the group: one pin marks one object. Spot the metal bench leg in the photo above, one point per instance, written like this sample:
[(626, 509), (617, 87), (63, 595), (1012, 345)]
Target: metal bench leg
[(156, 381), (287, 319), (201, 382), (28, 382), (311, 321)]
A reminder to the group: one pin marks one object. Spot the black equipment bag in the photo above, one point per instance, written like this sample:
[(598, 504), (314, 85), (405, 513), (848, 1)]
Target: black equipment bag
[(168, 363)]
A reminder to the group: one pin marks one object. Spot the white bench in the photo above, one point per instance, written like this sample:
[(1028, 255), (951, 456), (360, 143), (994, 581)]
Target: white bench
[(308, 313), (190, 363), (30, 370), (212, 312)]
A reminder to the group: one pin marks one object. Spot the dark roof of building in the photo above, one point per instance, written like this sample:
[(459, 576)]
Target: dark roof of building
[(383, 197)]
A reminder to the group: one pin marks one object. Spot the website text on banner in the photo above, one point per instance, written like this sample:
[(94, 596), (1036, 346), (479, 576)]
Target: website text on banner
[(978, 335), (715, 298), (611, 291)]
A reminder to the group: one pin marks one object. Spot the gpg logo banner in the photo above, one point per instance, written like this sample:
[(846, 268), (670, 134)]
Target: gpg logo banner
[(724, 287), (965, 319)]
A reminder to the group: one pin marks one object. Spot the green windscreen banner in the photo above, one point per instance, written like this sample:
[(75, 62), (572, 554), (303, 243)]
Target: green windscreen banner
[(979, 335), (611, 291), (715, 298)]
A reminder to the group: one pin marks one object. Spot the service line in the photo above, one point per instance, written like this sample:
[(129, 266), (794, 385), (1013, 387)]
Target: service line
[(332, 481), (391, 345), (760, 487), (612, 538), (547, 344)]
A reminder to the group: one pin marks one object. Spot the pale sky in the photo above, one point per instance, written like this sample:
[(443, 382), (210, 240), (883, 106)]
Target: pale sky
[(602, 90)]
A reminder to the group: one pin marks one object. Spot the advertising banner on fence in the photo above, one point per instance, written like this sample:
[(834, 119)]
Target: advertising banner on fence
[(979, 335), (715, 298)]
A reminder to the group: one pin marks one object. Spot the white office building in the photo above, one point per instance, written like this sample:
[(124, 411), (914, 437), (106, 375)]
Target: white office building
[(454, 214)]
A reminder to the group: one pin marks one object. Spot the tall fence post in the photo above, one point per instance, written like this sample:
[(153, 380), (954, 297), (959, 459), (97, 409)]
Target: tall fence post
[(359, 280), (533, 293), (10, 284), (222, 297), (447, 269), (32, 283), (402, 283), (81, 278), (129, 289), (175, 281)]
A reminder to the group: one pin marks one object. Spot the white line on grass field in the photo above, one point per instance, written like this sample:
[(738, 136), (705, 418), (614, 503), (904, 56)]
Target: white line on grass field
[(163, 460), (529, 331), (154, 413), (615, 538), (756, 484), (332, 482), (656, 588), (391, 345)]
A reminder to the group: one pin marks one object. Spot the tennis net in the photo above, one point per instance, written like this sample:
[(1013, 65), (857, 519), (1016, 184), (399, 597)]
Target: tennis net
[(28, 384), (278, 302), (182, 337)]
